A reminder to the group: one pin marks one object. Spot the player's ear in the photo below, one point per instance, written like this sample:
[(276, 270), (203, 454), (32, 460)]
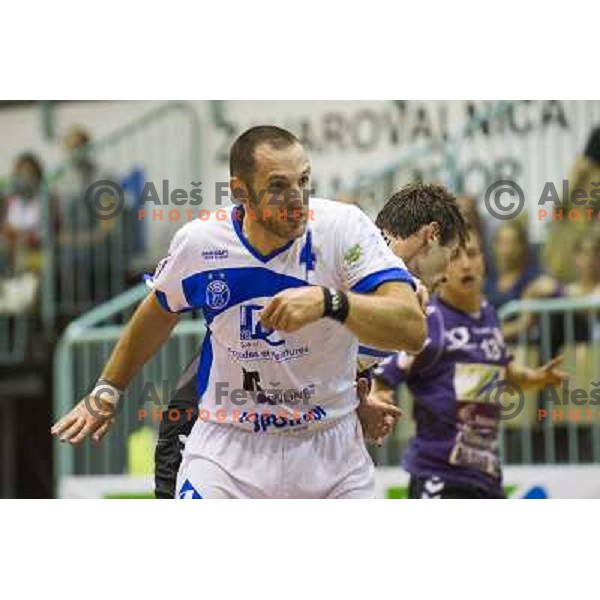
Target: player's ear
[(239, 190), (433, 232), (424, 236)]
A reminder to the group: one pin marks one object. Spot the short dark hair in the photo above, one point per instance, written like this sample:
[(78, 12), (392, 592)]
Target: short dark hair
[(417, 205), (241, 155)]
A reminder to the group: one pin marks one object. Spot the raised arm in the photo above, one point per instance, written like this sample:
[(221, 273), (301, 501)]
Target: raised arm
[(527, 378)]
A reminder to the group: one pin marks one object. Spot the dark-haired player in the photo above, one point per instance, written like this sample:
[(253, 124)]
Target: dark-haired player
[(423, 225), (454, 453)]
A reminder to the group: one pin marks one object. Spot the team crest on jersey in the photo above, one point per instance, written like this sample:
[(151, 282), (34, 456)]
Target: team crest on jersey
[(217, 294)]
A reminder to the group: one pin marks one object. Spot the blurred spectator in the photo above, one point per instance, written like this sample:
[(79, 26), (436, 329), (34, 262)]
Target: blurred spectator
[(587, 266), (564, 234), (21, 234), (586, 259), (80, 226), (82, 170), (468, 207), (90, 253), (21, 219), (3, 241), (516, 275), (576, 335)]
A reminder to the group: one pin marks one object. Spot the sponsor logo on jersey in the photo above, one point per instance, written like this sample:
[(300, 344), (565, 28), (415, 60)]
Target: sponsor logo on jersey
[(251, 328), (353, 255), (215, 254), (457, 338), (278, 355), (264, 421)]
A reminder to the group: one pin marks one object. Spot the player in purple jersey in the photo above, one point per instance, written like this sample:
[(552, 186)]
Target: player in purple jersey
[(454, 453)]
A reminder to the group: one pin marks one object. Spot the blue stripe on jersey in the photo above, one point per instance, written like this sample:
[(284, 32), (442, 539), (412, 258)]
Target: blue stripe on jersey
[(237, 216), (244, 283), (205, 365), (371, 282), (368, 351), (162, 300)]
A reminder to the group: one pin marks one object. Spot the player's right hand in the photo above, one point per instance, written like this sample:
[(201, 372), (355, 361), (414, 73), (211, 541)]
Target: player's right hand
[(376, 412), (93, 416)]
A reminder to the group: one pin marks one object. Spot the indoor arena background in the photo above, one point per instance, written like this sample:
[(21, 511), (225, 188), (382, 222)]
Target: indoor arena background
[(69, 285)]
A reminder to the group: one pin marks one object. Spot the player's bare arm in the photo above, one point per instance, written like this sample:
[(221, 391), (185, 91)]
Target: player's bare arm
[(537, 378), (147, 331), (389, 318)]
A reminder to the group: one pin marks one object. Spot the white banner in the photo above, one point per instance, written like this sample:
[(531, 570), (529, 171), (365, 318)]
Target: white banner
[(390, 482)]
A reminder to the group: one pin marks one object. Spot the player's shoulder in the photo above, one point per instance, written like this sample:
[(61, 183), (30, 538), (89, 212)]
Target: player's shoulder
[(331, 216), (435, 317), (202, 232), (435, 306), (333, 209), (488, 310)]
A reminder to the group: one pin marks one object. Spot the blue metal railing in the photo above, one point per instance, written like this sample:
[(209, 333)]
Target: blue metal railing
[(80, 356)]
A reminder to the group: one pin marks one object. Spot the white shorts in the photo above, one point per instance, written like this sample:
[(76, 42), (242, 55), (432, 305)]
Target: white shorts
[(224, 461)]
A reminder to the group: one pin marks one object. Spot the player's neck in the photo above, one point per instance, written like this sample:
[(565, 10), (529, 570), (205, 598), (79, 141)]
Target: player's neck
[(263, 241), (408, 250), (470, 304)]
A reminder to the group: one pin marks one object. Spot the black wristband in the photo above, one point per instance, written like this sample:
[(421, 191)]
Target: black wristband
[(336, 303)]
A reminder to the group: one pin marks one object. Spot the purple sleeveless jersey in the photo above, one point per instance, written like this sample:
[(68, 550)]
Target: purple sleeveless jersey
[(457, 429)]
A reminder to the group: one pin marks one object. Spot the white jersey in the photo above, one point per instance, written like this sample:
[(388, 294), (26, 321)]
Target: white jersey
[(260, 378)]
